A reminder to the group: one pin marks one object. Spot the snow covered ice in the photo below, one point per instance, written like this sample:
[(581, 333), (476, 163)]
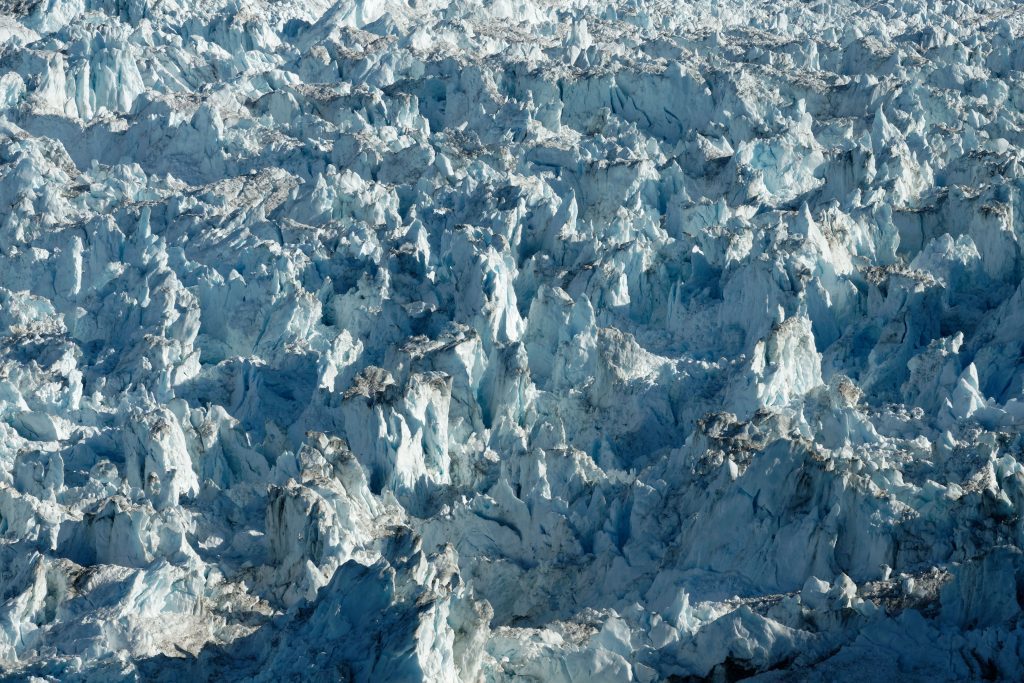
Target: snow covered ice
[(567, 340)]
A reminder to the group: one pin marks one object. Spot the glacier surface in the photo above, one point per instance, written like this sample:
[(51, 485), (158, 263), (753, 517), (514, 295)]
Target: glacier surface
[(555, 340)]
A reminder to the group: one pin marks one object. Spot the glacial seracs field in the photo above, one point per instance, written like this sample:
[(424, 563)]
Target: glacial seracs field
[(518, 340)]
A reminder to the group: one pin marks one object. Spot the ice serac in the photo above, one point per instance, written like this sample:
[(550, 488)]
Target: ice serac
[(485, 341)]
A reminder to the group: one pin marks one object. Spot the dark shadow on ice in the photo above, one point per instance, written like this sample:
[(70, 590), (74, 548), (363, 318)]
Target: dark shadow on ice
[(356, 630)]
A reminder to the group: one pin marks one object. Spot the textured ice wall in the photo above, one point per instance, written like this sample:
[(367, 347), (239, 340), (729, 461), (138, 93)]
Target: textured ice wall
[(470, 341)]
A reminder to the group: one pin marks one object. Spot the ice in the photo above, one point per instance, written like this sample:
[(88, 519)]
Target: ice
[(475, 341)]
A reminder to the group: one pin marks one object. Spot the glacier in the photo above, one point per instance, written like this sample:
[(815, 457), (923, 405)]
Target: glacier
[(570, 341)]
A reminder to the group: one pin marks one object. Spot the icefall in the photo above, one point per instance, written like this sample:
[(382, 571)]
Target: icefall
[(572, 341)]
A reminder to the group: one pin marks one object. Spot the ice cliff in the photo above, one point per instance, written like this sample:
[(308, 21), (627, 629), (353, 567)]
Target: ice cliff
[(477, 341)]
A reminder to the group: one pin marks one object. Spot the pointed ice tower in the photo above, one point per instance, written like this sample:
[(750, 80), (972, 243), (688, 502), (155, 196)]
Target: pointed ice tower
[(783, 368)]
